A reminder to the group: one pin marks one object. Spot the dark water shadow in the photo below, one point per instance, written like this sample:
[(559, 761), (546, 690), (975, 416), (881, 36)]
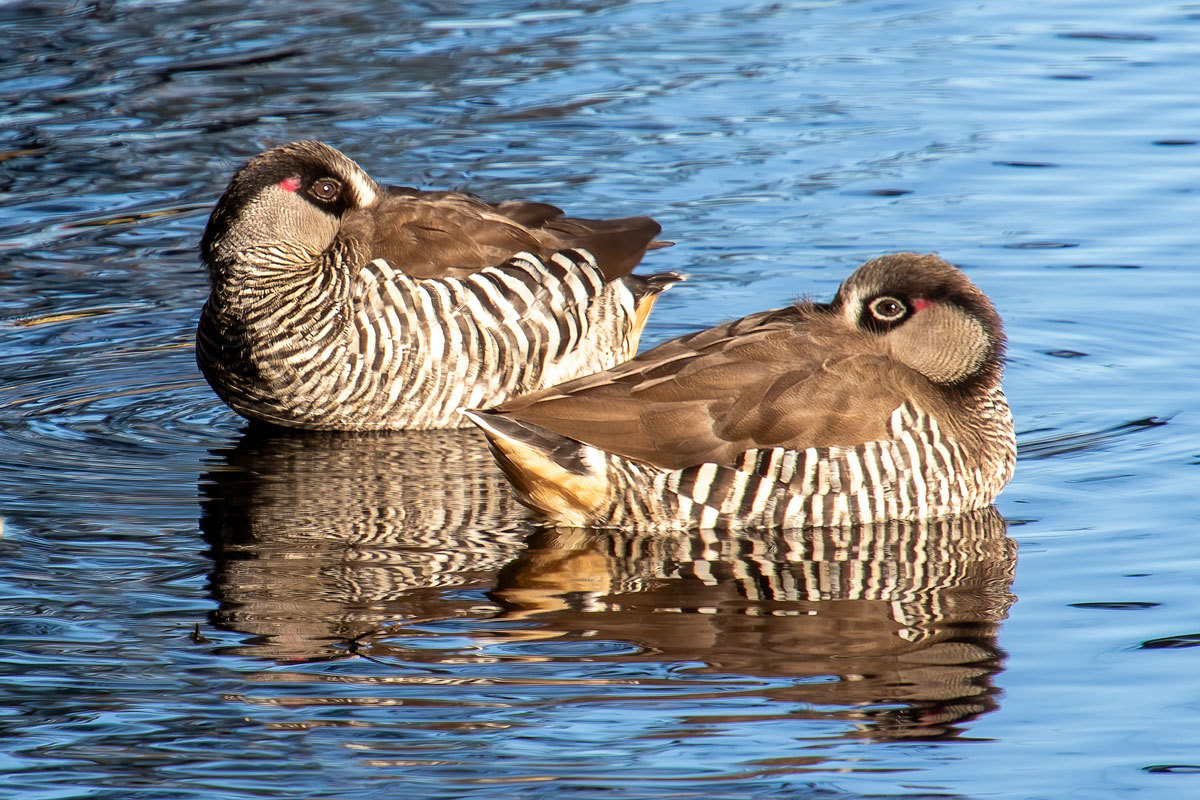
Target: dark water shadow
[(1060, 444), (325, 545)]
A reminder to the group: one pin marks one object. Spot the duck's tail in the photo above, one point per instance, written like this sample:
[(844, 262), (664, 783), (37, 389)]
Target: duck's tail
[(557, 476), (647, 288)]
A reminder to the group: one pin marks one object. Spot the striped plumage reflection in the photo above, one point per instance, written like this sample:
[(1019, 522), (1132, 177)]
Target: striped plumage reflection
[(892, 627), (321, 539), (884, 404), (343, 545), (340, 304)]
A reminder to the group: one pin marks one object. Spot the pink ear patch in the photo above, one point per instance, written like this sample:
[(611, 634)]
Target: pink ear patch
[(920, 302), (289, 184)]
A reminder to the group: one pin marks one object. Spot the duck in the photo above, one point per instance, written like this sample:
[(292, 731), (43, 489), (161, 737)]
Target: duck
[(340, 304), (884, 404)]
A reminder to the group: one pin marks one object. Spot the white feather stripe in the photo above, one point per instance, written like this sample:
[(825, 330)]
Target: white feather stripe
[(765, 487), (521, 349), (306, 355), (455, 366), (771, 468), (872, 483), (685, 506), (382, 270), (449, 366), (891, 479), (905, 500), (703, 483), (482, 321), (574, 280), (816, 505), (551, 299), (443, 292), (436, 348), (936, 482), (809, 481), (580, 273), (863, 510), (487, 283), (733, 498), (393, 293), (380, 340), (348, 385), (552, 337), (787, 468), (914, 479), (585, 267), (363, 188), (394, 333), (951, 470), (841, 514), (516, 286), (626, 302)]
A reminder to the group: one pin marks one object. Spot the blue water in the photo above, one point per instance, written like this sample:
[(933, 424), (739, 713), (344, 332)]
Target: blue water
[(188, 610)]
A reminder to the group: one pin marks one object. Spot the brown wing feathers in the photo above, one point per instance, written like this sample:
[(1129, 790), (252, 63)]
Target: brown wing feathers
[(438, 234), (714, 395)]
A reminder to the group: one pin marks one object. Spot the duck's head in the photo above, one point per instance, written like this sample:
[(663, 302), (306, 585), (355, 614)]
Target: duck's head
[(285, 205), (930, 314)]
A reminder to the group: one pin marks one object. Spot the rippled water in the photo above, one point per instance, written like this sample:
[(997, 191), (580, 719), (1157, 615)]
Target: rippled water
[(191, 609)]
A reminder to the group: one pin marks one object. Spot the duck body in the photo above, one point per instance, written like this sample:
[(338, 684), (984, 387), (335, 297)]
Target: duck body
[(338, 304), (884, 404)]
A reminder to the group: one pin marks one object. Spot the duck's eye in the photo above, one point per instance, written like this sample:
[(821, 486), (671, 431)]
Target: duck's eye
[(326, 189), (887, 309)]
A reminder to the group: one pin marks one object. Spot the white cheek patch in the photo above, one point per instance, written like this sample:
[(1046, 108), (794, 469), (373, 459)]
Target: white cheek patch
[(852, 309), (362, 187)]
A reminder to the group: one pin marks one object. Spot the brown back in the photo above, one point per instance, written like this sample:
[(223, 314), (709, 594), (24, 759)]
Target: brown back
[(441, 234), (795, 377)]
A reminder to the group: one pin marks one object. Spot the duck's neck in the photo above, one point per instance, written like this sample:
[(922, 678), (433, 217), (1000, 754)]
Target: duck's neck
[(993, 425), (276, 297)]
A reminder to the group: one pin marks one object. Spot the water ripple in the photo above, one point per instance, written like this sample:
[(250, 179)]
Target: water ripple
[(194, 610)]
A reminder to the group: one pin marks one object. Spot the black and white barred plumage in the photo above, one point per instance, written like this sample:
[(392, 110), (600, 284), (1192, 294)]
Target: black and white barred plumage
[(917, 473), (885, 404), (340, 305), (379, 349)]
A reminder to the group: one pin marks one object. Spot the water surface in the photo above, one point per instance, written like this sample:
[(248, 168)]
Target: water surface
[(192, 609)]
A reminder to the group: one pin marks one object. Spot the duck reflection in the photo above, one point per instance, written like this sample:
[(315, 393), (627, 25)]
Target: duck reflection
[(325, 545), (899, 620), (321, 539)]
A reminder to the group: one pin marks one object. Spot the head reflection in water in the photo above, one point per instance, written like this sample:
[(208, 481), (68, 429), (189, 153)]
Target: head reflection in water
[(331, 546)]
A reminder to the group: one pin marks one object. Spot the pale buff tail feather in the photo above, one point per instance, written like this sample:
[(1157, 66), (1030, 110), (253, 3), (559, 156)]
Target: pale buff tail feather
[(647, 290), (554, 475)]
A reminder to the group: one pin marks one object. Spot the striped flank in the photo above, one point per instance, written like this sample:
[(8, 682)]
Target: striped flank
[(377, 349), (919, 473)]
